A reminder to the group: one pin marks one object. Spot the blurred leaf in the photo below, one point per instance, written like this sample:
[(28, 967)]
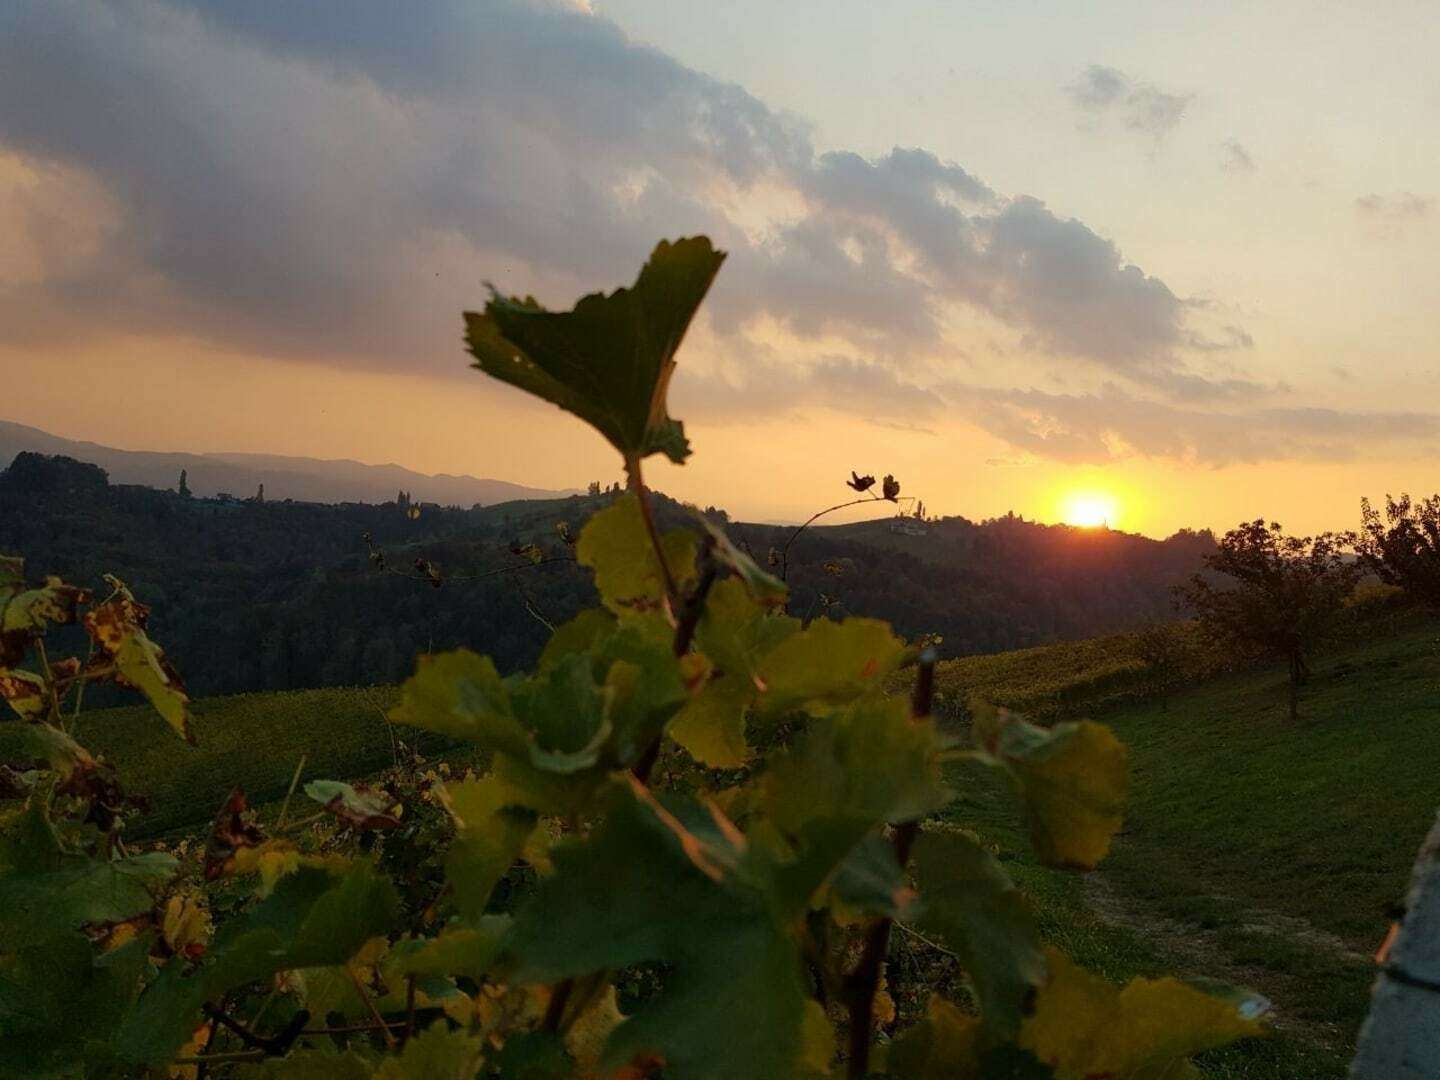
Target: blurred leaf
[(460, 694), (711, 725), (616, 545), (828, 664), (25, 692), (943, 1046), (1084, 1026), (768, 590), (1072, 778), (435, 1054), (358, 807), (645, 887), (491, 830), (970, 903), (608, 361)]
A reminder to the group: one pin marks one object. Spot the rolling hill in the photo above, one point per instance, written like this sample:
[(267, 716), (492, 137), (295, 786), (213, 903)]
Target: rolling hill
[(300, 478)]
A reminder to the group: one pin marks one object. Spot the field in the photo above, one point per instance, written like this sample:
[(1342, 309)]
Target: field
[(1255, 851)]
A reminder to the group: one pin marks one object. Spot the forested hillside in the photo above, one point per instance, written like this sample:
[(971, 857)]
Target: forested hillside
[(284, 595)]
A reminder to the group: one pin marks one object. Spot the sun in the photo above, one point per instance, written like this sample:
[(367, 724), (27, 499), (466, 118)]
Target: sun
[(1089, 509)]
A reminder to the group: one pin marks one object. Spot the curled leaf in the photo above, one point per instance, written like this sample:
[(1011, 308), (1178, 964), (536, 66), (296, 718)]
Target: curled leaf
[(359, 807), (229, 835), (890, 488), (860, 483)]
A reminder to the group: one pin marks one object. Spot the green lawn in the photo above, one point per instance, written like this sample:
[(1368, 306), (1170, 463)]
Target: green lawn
[(1255, 850), (251, 739)]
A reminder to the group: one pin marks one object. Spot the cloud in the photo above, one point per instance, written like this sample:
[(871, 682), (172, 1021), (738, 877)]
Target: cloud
[(331, 182), (1142, 107), (1235, 158), (1402, 206), (1112, 424)]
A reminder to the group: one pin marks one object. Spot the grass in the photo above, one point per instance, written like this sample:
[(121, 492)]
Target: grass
[(251, 739), (1255, 850)]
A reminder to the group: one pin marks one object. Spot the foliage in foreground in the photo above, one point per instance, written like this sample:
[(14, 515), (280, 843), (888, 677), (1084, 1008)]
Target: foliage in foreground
[(697, 823)]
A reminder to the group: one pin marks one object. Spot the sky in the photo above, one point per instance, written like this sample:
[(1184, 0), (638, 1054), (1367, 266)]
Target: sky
[(1172, 259)]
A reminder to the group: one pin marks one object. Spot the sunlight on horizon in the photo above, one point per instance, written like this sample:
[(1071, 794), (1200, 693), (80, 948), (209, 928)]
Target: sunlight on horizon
[(1090, 509)]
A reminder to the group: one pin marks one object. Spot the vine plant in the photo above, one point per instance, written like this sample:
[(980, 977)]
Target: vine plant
[(582, 902)]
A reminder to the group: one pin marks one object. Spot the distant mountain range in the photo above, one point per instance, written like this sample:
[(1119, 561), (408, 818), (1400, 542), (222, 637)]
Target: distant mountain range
[(300, 478)]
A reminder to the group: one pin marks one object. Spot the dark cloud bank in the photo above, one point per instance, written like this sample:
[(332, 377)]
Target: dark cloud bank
[(332, 181)]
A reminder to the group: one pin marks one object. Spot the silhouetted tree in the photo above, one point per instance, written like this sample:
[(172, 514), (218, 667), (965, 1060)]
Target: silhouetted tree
[(594, 488), (1287, 592), (184, 488), (260, 494), (1404, 550)]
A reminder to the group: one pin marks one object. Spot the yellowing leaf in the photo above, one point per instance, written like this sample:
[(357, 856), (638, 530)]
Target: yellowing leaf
[(272, 860), (828, 664), (25, 692), (943, 1046), (1084, 1026), (608, 361), (711, 725), (186, 925), (616, 545), (117, 628), (587, 1035), (1072, 778)]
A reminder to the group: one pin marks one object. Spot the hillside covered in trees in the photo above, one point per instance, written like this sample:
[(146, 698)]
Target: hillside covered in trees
[(279, 595)]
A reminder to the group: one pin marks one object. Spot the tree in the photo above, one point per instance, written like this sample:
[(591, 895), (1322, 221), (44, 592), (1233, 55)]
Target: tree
[(1405, 549), (260, 494), (593, 489), (1287, 593), (184, 487), (1161, 650)]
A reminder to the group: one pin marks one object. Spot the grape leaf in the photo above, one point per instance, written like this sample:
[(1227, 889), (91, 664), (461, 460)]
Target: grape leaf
[(970, 903), (117, 627), (645, 887), (943, 1046), (435, 1054), (25, 692), (360, 807), (616, 545), (578, 635), (828, 664), (769, 591), (711, 725), (736, 631), (609, 360), (1084, 1026), (45, 889), (460, 694), (491, 831), (1072, 778)]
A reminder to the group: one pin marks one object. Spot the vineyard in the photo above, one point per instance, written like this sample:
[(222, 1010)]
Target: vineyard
[(707, 835)]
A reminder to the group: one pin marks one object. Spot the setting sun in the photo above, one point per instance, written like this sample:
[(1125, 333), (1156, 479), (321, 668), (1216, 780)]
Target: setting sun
[(1089, 509)]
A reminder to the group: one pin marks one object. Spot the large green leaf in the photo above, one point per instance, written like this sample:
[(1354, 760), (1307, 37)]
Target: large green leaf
[(45, 889), (647, 886), (616, 545), (1072, 778), (491, 831), (609, 360), (460, 694), (970, 903)]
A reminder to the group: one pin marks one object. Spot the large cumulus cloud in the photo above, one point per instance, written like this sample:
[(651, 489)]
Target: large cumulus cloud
[(332, 181)]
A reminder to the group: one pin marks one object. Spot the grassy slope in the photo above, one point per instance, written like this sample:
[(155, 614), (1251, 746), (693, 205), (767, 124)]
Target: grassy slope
[(1256, 850), (251, 739)]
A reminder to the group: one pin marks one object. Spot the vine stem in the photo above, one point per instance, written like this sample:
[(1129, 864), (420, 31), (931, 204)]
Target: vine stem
[(637, 485), (864, 981), (785, 550), (294, 781)]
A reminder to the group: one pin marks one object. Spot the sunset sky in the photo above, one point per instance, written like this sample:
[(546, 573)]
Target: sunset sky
[(1178, 259)]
